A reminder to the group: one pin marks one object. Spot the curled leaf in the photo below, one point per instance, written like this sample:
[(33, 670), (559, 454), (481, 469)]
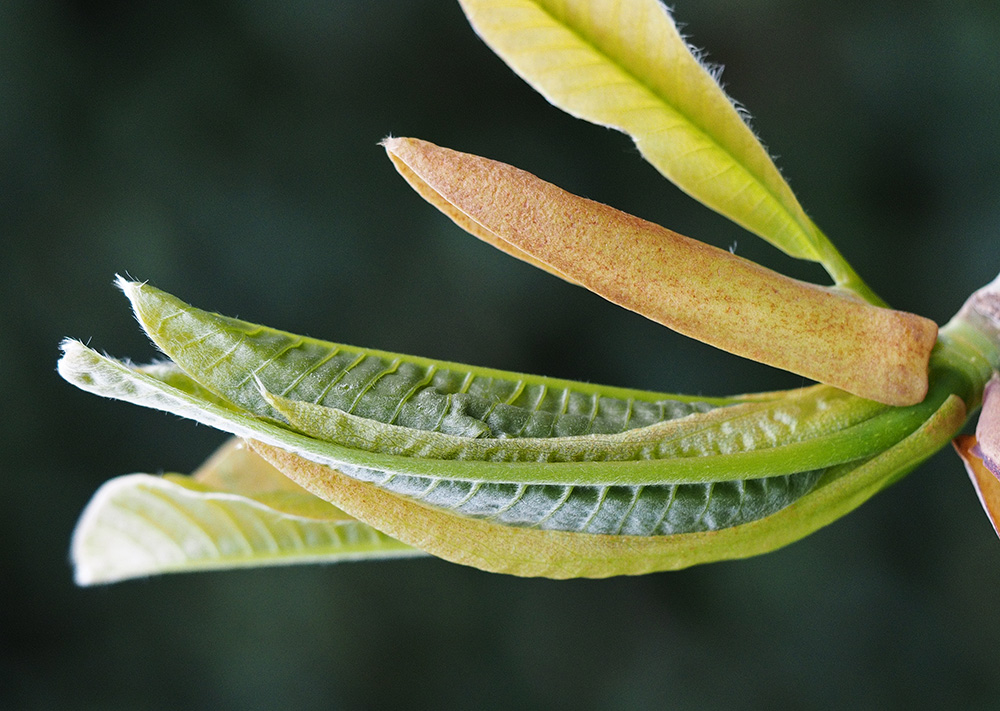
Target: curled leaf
[(652, 496), (236, 511), (663, 482), (515, 550), (696, 289)]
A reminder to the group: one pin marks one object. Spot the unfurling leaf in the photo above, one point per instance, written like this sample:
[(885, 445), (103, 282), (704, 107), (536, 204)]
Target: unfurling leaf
[(236, 511), (694, 288), (625, 65), (516, 473), (349, 453), (516, 550)]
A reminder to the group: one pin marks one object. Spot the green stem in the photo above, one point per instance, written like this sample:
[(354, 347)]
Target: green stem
[(842, 272), (970, 342)]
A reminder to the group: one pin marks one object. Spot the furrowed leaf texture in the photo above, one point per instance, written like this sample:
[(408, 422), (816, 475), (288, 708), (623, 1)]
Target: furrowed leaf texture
[(658, 464)]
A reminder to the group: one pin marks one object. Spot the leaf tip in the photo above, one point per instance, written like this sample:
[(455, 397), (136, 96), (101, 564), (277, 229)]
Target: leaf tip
[(129, 287), (73, 364), (393, 144), (69, 346), (396, 148), (403, 149), (96, 557)]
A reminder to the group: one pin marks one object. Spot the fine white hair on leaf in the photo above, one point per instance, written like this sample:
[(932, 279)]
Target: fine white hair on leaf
[(715, 70)]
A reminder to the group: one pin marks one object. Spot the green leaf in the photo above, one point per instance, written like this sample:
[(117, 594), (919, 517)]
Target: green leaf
[(516, 493), (764, 457), (559, 554), (361, 397), (235, 512), (754, 474), (697, 467), (233, 358), (581, 500), (827, 417), (593, 506), (625, 65)]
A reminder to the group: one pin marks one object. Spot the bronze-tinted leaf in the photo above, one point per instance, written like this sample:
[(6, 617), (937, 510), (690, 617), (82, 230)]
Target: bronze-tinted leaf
[(701, 291), (985, 482)]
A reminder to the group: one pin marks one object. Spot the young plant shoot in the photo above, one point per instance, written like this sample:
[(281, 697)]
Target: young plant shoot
[(346, 453)]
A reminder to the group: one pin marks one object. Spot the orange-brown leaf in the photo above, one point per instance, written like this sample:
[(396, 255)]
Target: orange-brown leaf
[(696, 289), (985, 482)]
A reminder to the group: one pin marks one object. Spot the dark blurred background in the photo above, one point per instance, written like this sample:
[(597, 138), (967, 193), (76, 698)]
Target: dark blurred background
[(227, 152)]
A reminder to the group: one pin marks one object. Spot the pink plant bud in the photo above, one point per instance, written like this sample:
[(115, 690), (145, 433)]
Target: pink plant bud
[(988, 429)]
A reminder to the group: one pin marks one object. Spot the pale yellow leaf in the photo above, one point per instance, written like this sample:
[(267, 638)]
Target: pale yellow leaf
[(237, 512)]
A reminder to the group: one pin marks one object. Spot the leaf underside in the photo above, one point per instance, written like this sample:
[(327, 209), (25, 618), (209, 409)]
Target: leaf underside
[(529, 552), (705, 463), (480, 444), (237, 511)]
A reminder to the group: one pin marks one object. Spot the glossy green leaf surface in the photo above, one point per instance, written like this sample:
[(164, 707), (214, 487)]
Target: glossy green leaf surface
[(236, 511)]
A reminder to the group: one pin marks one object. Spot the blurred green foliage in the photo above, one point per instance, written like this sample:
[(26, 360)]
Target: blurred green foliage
[(227, 152)]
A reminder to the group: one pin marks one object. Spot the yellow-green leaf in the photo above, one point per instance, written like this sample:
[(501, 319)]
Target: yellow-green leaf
[(701, 291), (236, 511), (625, 65)]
